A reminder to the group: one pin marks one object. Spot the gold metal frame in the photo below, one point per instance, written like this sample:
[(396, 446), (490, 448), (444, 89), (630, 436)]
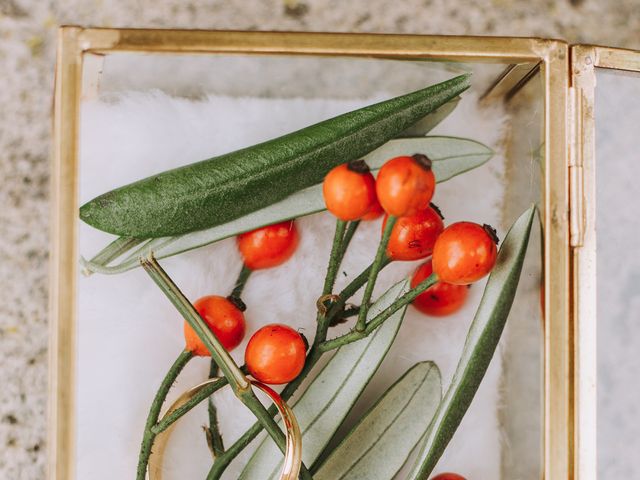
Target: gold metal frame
[(550, 56), (585, 59)]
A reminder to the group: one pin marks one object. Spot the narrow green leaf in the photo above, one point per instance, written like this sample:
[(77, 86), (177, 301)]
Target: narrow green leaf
[(224, 188), (381, 442), (428, 123), (481, 343), (451, 156), (329, 398)]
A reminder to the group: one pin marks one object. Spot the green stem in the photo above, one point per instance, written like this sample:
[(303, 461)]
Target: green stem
[(265, 418), (201, 396), (313, 356), (214, 437), (373, 274), (351, 230), (335, 258), (154, 412), (234, 375), (350, 312), (236, 378), (243, 276), (222, 462), (379, 319)]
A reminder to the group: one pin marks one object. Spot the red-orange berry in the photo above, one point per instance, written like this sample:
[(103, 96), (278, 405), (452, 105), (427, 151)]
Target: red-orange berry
[(440, 299), (224, 318), (268, 246), (275, 354), (405, 185), (349, 190), (374, 212), (413, 238), (464, 253), (448, 476)]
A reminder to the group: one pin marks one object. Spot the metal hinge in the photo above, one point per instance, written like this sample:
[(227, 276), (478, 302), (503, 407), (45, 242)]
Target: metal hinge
[(576, 171)]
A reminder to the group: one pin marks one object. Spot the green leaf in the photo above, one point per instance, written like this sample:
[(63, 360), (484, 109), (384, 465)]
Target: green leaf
[(481, 343), (381, 442), (451, 156), (221, 189), (329, 398), (428, 123)]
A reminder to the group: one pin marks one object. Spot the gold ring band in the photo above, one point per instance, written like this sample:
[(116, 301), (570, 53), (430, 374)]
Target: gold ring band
[(293, 452)]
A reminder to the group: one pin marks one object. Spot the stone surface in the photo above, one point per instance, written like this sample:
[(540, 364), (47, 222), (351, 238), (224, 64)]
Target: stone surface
[(27, 51)]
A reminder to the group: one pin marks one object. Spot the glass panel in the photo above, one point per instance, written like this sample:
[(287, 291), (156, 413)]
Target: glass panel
[(618, 264), (146, 113)]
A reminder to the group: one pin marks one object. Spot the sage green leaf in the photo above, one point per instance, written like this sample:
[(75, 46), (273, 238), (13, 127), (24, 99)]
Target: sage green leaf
[(479, 347), (331, 395), (221, 189), (377, 447), (451, 156)]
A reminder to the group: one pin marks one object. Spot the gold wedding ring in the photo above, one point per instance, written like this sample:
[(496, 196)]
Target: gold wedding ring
[(293, 452)]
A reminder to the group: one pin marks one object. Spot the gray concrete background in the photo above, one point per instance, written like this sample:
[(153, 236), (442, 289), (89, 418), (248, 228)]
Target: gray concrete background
[(27, 51)]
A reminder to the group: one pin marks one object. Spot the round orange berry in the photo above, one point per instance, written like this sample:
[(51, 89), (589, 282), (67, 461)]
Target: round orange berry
[(268, 246), (464, 253), (374, 212), (224, 318), (275, 354), (440, 299), (413, 238), (349, 190), (448, 476), (405, 185)]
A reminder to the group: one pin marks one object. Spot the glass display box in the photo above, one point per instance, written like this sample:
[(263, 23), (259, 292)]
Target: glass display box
[(566, 147)]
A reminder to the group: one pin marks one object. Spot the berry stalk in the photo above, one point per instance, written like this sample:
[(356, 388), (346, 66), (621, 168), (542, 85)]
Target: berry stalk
[(154, 412), (376, 266)]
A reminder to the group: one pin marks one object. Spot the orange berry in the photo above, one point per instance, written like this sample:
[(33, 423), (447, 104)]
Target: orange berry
[(440, 299), (275, 354), (448, 476), (268, 246), (349, 190), (464, 253), (413, 238), (405, 185), (374, 212), (224, 318)]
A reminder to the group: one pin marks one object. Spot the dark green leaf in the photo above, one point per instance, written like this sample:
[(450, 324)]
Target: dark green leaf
[(224, 188), (451, 156)]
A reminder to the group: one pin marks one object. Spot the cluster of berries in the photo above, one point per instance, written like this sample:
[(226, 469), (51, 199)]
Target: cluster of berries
[(461, 254), (275, 353)]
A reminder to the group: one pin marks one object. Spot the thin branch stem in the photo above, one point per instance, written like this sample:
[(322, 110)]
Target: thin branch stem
[(154, 412), (351, 230), (236, 378), (373, 273), (223, 461), (231, 371), (214, 437), (379, 319), (335, 258), (243, 276), (313, 356), (201, 396)]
